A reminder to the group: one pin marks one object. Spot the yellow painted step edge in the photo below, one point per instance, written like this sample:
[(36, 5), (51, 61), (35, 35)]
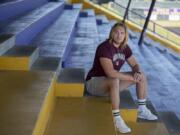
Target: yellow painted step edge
[(46, 111), (14, 63), (69, 89), (129, 115)]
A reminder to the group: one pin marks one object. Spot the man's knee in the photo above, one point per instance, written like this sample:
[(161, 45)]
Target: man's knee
[(114, 82)]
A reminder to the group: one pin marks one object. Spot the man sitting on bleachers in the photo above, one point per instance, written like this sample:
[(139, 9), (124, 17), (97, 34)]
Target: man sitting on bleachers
[(104, 79)]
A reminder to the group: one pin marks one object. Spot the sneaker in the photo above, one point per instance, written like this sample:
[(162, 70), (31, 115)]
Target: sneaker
[(146, 114), (121, 126)]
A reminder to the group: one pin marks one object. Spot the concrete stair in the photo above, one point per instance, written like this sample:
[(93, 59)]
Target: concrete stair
[(54, 41), (70, 83), (158, 73), (84, 42), (173, 59), (23, 58), (52, 101), (26, 5), (104, 27), (23, 96), (174, 70), (81, 116), (161, 129), (7, 41), (28, 26), (171, 121), (19, 58), (46, 64)]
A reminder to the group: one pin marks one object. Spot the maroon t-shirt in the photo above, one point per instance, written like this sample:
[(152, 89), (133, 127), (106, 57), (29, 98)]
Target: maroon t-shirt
[(117, 55)]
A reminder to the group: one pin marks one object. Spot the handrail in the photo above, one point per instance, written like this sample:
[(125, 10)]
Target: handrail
[(156, 28), (129, 10), (152, 26)]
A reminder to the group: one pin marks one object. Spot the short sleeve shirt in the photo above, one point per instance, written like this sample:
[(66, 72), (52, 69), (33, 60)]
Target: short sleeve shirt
[(117, 55)]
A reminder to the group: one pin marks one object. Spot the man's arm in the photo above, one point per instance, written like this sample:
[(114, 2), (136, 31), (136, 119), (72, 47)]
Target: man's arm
[(135, 68), (133, 64), (110, 72)]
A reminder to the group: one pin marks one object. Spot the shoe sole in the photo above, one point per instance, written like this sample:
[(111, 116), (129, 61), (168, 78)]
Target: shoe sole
[(125, 132), (122, 132), (147, 119)]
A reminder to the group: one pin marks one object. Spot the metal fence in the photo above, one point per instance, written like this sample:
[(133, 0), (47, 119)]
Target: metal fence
[(139, 19)]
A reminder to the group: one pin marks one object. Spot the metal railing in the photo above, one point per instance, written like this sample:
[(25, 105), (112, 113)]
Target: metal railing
[(139, 19)]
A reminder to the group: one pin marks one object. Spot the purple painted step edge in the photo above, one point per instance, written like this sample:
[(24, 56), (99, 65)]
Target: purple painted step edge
[(25, 37), (13, 9)]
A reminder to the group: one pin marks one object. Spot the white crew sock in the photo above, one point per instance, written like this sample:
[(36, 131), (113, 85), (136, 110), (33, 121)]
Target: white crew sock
[(116, 114), (141, 104)]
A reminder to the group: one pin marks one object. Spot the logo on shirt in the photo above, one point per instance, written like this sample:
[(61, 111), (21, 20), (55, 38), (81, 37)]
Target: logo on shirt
[(118, 56)]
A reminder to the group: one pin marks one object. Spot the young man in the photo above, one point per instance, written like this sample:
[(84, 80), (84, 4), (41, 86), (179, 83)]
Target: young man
[(105, 79)]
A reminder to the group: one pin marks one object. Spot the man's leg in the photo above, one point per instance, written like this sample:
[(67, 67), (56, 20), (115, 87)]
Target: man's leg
[(141, 90), (114, 87)]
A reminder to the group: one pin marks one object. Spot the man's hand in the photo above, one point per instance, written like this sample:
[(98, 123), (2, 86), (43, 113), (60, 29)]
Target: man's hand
[(138, 77)]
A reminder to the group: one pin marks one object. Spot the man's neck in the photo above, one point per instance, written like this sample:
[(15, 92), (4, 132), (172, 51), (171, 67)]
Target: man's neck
[(115, 44)]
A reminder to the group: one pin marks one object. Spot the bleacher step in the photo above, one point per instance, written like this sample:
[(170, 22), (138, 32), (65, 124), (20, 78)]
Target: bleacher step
[(142, 127), (147, 129), (46, 63), (71, 75), (86, 31), (166, 90), (174, 60), (31, 24), (22, 94), (102, 18), (70, 83), (165, 62), (89, 12), (73, 6), (54, 41), (171, 122), (15, 11), (126, 100), (103, 26), (7, 41), (81, 116), (19, 58)]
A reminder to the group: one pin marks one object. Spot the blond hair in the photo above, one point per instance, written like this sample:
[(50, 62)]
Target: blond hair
[(120, 24)]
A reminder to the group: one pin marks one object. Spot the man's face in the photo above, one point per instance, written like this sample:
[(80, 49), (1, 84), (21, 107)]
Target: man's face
[(118, 35)]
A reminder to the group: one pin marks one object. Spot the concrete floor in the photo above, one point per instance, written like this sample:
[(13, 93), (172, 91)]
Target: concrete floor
[(21, 96)]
